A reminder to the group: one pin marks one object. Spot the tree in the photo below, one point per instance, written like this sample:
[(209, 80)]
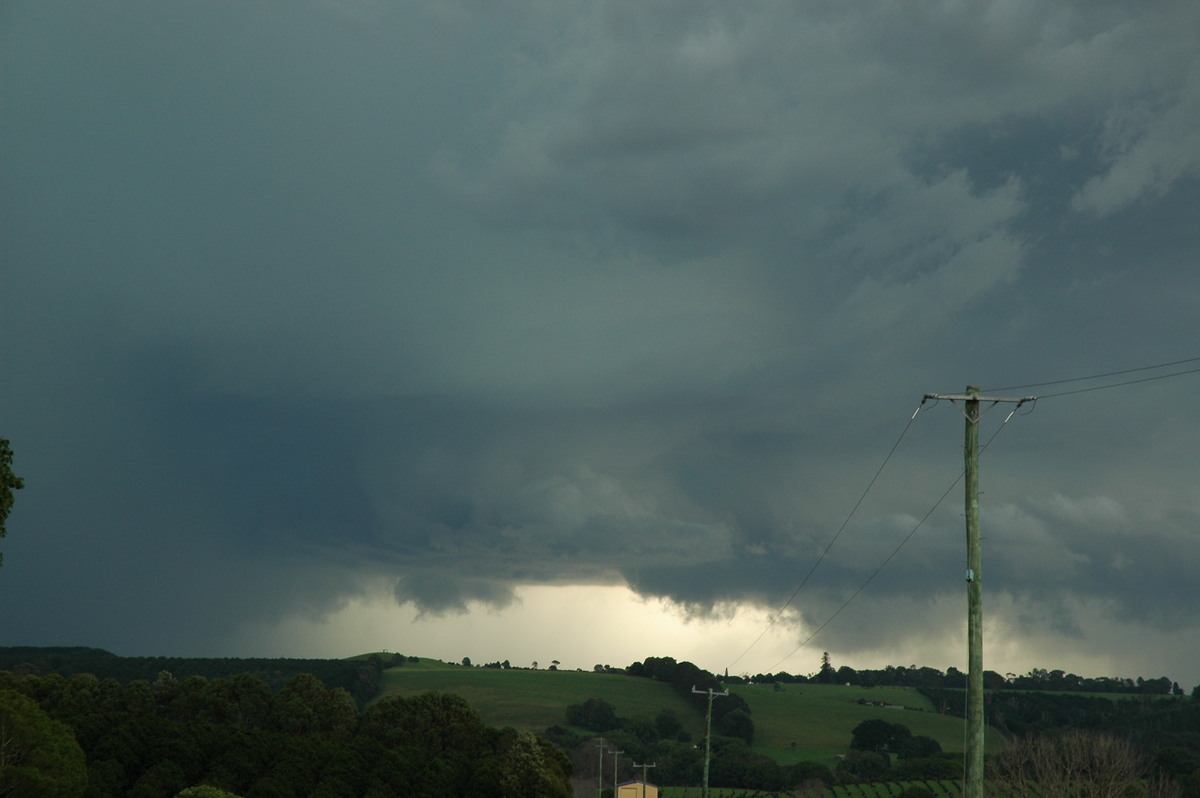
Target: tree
[(436, 723), (1177, 761), (736, 724), (863, 766), (668, 725), (918, 747), (530, 767), (827, 675), (204, 791), (39, 757), (594, 714), (810, 778), (877, 734), (8, 483), (1075, 763)]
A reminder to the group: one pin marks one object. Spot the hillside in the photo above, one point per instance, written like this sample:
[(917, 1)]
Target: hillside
[(816, 721), (534, 700), (793, 731), (802, 722)]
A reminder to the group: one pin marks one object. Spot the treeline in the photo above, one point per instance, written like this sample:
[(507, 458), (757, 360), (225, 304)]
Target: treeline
[(359, 677), (926, 677), (730, 714), (153, 740), (1150, 722)]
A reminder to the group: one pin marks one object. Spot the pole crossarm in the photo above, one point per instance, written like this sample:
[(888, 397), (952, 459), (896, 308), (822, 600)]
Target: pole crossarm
[(973, 418), (644, 766), (963, 397)]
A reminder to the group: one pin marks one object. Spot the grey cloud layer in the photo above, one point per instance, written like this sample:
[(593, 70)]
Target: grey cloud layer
[(473, 297)]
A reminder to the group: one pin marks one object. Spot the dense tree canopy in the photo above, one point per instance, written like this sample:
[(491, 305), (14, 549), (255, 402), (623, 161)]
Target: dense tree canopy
[(203, 736), (39, 757), (359, 676), (877, 734), (234, 735), (594, 714)]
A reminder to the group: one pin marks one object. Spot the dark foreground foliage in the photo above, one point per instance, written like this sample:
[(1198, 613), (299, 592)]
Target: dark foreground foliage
[(359, 677), (153, 740)]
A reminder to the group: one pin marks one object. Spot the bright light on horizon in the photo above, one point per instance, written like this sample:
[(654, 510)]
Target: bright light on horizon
[(586, 625), (579, 625)]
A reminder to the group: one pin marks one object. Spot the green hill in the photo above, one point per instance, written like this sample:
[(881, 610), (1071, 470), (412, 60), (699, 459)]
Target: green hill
[(535, 700), (802, 722), (816, 721)]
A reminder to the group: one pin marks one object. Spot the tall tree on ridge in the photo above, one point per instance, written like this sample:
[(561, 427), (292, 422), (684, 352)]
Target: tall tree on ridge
[(8, 483)]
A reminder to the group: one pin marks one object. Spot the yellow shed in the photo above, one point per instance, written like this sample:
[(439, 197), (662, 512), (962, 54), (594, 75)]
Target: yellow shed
[(636, 789)]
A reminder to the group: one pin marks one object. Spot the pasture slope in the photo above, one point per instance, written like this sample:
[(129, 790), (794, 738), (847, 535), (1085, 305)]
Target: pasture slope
[(801, 722), (816, 721), (534, 700)]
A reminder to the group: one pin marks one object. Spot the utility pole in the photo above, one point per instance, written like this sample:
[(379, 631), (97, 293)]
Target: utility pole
[(973, 759), (643, 766), (600, 770), (616, 759), (708, 730)]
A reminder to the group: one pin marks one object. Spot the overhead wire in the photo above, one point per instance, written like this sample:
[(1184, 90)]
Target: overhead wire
[(841, 529), (1031, 400), (1119, 384), (895, 551), (1106, 374)]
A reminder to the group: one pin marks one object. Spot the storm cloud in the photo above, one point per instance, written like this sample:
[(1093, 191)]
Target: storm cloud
[(460, 297)]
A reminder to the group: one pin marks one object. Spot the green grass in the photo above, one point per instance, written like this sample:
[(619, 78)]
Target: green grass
[(803, 722), (820, 719), (534, 700)]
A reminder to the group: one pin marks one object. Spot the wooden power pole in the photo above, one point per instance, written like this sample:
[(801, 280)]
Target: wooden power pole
[(600, 770), (708, 730), (616, 761), (644, 766), (973, 778)]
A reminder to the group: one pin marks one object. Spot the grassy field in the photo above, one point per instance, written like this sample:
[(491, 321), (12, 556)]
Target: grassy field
[(819, 719), (802, 722), (534, 700)]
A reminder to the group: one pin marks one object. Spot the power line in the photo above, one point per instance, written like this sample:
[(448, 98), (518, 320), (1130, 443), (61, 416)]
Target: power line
[(841, 529), (1119, 384), (1031, 400), (891, 556), (1106, 374)]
